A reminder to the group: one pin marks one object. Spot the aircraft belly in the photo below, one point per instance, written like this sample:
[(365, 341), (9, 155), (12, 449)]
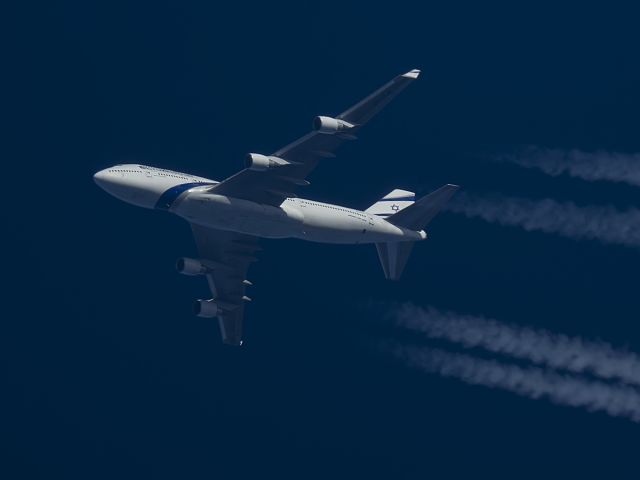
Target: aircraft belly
[(288, 220), (243, 216), (329, 227), (348, 229)]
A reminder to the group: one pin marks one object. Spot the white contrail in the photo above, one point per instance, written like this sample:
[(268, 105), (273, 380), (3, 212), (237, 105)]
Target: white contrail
[(541, 347), (605, 224), (532, 382), (599, 165)]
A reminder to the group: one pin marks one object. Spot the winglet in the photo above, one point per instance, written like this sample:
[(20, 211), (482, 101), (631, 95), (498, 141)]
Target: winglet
[(412, 74)]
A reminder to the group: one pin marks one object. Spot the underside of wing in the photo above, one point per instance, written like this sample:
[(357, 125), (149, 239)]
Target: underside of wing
[(271, 179), (225, 257)]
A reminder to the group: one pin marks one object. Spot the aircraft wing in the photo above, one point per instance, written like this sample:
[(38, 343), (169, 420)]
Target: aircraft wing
[(230, 254), (273, 185)]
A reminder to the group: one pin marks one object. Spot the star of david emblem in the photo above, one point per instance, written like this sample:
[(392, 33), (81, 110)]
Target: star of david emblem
[(395, 207)]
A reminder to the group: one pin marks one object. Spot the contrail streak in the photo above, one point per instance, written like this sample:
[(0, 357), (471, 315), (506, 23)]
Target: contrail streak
[(591, 166), (605, 224), (532, 382), (541, 347)]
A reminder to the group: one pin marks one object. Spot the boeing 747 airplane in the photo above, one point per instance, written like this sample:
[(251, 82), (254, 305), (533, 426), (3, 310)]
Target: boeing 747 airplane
[(228, 217)]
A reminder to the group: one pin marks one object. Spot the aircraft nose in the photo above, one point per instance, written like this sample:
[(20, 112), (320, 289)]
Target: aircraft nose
[(101, 178)]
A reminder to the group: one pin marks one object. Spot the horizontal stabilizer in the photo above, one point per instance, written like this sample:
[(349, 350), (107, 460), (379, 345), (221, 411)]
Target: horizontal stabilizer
[(392, 203), (418, 215)]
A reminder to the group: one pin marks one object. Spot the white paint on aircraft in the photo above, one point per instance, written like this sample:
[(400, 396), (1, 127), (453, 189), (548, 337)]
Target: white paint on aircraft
[(228, 217)]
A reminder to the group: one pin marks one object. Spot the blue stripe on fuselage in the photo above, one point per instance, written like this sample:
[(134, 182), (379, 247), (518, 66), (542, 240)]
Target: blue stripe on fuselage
[(168, 197)]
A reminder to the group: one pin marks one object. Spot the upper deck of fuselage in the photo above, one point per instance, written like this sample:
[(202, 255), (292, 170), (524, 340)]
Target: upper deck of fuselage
[(136, 170), (146, 186)]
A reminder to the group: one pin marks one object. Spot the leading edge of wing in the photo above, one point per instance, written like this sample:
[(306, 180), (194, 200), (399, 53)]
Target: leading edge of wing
[(272, 186), (364, 110)]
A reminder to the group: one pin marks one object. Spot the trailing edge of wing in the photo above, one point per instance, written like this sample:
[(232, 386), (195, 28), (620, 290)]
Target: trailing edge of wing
[(230, 255)]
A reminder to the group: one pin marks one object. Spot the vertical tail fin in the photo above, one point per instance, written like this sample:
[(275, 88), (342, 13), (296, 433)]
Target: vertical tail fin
[(393, 257), (392, 203)]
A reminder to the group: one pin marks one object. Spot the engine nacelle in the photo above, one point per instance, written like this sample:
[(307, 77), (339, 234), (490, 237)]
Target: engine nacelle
[(191, 266), (206, 308), (330, 125), (257, 161)]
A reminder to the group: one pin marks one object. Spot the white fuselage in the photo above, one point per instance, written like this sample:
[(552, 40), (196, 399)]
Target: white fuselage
[(190, 197)]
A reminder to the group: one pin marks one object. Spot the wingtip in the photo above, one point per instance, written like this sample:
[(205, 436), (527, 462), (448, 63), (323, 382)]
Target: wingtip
[(412, 73)]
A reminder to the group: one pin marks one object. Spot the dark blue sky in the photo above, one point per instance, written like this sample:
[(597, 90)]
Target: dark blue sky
[(106, 374)]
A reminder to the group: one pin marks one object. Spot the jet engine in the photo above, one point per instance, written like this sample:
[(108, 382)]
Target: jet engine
[(191, 266), (206, 308), (257, 161), (331, 125)]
